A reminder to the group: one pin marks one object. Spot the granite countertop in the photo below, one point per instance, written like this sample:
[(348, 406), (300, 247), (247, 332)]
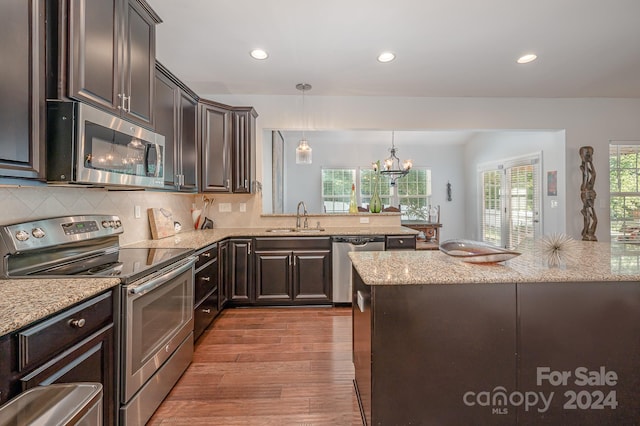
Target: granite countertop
[(199, 239), (592, 261), (26, 300)]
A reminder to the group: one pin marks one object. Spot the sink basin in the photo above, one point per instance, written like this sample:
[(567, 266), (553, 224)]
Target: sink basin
[(286, 230)]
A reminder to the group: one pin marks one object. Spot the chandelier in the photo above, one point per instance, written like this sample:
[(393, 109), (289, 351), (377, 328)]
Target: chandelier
[(303, 151), (391, 166)]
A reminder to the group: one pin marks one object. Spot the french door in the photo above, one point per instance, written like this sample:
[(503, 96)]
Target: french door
[(510, 206)]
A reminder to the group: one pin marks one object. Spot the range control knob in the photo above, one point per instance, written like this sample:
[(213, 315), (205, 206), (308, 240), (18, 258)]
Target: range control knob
[(37, 232), (118, 223), (22, 235), (105, 224)]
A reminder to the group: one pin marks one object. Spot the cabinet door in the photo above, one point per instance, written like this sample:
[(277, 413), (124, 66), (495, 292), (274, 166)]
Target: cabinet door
[(94, 66), (188, 142), (243, 139), (22, 88), (312, 276), (273, 276), (240, 269), (139, 58), (216, 152), (165, 123), (223, 274), (92, 360)]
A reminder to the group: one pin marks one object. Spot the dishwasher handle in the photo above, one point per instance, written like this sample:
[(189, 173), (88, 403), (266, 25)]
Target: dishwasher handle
[(358, 240)]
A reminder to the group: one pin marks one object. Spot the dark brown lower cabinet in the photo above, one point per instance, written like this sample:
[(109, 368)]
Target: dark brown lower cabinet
[(293, 270), (206, 289), (503, 353), (241, 283), (74, 345)]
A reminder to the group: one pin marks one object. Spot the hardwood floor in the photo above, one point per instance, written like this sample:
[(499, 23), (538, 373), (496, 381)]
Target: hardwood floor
[(268, 366)]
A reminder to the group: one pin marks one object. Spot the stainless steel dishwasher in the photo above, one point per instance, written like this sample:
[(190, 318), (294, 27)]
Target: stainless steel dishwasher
[(342, 245)]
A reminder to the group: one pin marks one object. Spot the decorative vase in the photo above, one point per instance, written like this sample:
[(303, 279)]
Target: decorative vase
[(353, 204), (375, 204)]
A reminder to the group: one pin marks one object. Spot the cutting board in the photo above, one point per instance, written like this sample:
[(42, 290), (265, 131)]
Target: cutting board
[(161, 223)]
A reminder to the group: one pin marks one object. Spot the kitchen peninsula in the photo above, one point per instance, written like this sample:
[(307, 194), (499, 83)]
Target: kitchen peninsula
[(440, 341)]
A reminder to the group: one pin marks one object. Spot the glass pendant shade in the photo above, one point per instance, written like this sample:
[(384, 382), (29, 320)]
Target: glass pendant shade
[(303, 152)]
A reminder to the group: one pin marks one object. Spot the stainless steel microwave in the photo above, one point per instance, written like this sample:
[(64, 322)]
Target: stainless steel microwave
[(88, 146)]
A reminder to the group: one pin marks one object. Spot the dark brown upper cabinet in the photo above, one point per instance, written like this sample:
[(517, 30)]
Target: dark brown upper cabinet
[(243, 137), (22, 87), (107, 58), (215, 157), (227, 141), (175, 116)]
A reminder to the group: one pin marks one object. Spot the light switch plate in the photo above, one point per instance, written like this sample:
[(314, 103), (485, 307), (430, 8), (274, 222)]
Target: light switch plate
[(136, 212), (243, 207), (364, 220), (224, 207)]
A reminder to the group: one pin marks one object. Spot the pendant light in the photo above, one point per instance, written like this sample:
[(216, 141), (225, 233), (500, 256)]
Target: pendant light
[(391, 166), (303, 151)]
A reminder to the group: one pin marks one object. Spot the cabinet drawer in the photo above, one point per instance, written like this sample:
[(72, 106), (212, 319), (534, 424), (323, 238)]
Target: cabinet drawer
[(204, 313), (401, 242), (206, 255), (293, 243), (41, 342), (205, 281)]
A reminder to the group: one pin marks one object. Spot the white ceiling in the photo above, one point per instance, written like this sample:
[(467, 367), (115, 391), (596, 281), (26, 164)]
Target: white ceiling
[(458, 48)]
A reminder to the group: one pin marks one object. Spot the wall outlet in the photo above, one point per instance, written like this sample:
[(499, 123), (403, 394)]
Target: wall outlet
[(224, 207), (364, 220), (554, 204), (243, 207), (137, 213)]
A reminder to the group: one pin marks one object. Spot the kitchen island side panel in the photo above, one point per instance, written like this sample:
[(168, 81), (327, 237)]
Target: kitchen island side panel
[(431, 345), (582, 341)]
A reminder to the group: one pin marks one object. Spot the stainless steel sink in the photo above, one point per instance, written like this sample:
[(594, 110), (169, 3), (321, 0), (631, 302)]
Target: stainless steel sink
[(287, 230)]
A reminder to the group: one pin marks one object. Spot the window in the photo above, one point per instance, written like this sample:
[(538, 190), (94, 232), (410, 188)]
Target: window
[(336, 189), (510, 202), (411, 192), (624, 191)]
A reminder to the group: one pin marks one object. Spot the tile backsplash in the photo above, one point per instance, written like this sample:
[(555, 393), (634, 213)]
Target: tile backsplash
[(20, 204), (25, 203)]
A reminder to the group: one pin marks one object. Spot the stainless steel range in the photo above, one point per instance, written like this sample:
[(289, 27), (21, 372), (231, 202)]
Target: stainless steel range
[(156, 308)]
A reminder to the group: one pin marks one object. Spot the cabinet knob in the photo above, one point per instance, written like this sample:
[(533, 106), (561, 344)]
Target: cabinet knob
[(77, 323), (206, 254), (206, 311), (401, 241), (205, 278)]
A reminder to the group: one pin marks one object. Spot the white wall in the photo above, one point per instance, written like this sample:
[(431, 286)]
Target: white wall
[(586, 121)]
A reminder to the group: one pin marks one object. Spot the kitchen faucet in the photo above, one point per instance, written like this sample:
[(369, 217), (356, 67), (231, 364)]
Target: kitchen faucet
[(306, 221)]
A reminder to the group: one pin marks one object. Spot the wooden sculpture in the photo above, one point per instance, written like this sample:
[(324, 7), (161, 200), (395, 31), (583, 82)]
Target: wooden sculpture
[(588, 195)]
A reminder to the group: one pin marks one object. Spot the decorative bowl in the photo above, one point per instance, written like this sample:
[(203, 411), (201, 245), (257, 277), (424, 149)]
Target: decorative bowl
[(476, 251)]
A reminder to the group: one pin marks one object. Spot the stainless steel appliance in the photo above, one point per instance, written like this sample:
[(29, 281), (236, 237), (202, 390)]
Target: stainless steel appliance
[(342, 279), (156, 297), (89, 146)]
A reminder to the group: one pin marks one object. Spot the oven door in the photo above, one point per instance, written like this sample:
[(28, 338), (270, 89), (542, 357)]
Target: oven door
[(158, 317)]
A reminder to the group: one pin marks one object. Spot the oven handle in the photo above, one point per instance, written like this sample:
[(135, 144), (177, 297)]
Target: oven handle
[(157, 282)]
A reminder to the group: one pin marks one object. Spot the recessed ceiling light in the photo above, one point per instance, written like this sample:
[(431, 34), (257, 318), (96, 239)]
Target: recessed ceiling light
[(525, 59), (259, 54), (386, 57)]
